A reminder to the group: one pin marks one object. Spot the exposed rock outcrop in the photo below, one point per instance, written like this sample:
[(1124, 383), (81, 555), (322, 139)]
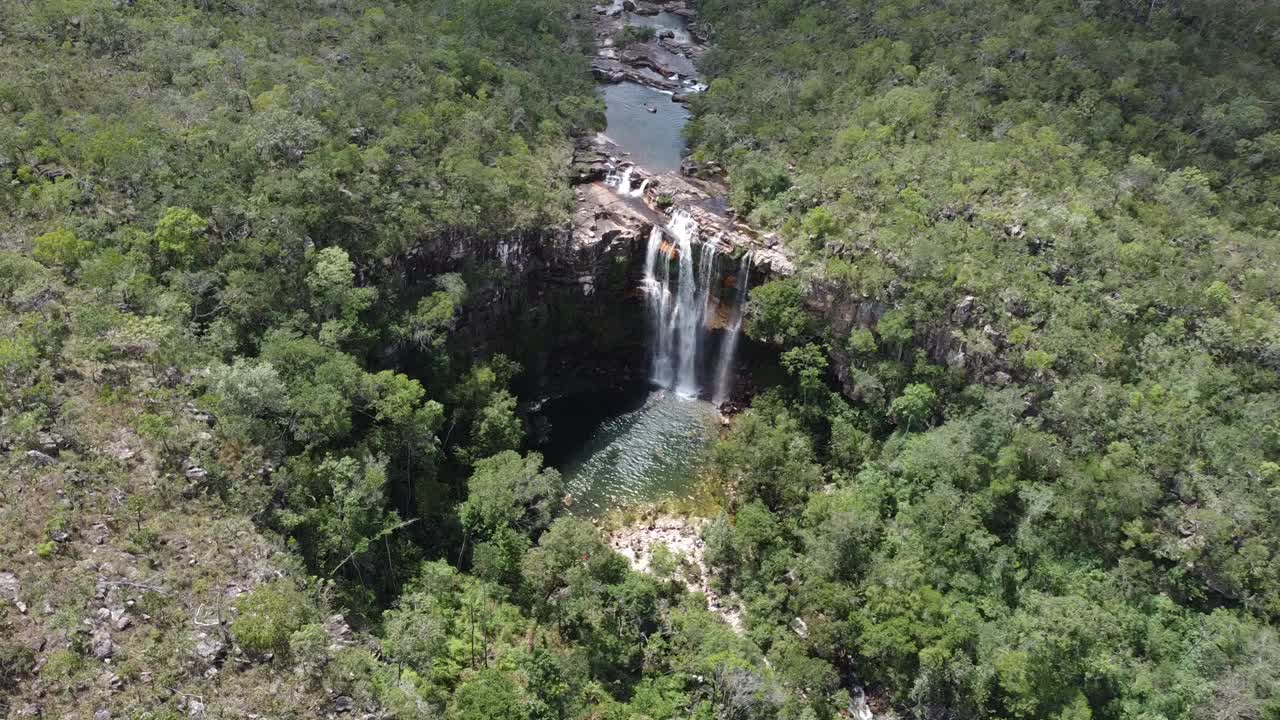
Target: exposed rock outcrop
[(682, 539)]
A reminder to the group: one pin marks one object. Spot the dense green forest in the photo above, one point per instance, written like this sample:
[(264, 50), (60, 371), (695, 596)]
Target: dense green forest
[(1075, 510), (225, 496)]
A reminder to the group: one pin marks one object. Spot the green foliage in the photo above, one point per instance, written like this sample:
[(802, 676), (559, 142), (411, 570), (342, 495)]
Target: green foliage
[(269, 615), (428, 325), (176, 232), (1067, 516), (635, 34), (507, 491), (808, 365), (489, 695), (767, 457), (861, 341), (915, 406), (60, 248), (776, 313), (1052, 492), (482, 404), (756, 182)]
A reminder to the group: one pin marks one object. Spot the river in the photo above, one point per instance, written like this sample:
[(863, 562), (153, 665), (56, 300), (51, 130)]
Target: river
[(643, 444)]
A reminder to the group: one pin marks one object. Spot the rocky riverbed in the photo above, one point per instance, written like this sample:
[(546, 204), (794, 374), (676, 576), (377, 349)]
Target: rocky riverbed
[(682, 537), (618, 195)]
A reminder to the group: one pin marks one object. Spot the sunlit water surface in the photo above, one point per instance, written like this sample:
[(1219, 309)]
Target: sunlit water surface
[(653, 139), (643, 455)]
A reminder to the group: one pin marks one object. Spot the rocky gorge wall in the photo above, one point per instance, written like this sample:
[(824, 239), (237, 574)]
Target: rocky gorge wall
[(569, 303), (568, 311)]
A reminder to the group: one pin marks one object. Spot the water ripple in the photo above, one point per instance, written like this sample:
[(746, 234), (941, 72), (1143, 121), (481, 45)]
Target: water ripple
[(640, 456)]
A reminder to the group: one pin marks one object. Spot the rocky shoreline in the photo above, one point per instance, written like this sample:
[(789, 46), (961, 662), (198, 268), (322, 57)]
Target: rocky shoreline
[(665, 62), (605, 209), (682, 538)]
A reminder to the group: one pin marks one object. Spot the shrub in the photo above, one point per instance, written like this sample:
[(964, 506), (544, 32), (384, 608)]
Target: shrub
[(634, 34), (16, 662), (176, 231), (60, 247), (270, 615)]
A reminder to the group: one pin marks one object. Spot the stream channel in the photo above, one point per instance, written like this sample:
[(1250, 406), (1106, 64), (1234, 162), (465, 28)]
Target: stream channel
[(645, 444)]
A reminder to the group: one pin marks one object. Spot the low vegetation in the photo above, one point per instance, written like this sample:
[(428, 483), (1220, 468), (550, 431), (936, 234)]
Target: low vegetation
[(1049, 487), (1039, 477)]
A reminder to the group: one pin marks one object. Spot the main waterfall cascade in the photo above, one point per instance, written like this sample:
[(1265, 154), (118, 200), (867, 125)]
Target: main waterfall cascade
[(680, 317), (642, 444)]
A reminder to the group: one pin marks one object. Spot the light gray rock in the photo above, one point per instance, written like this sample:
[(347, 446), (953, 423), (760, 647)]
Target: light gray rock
[(102, 645), (9, 586), (40, 459), (209, 648)]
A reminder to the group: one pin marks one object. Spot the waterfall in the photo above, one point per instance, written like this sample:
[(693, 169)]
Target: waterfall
[(624, 180), (724, 369), (679, 317), (687, 321), (683, 225), (706, 276), (643, 185), (658, 291)]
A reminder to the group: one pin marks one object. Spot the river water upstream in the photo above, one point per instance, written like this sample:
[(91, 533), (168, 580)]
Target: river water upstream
[(653, 139), (644, 446)]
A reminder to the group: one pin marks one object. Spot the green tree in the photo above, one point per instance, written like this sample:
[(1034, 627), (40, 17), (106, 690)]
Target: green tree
[(489, 695), (769, 458), (915, 406), (336, 301), (60, 248), (176, 233), (508, 491), (808, 365), (776, 313)]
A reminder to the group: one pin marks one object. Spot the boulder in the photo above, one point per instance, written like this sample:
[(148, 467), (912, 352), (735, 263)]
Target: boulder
[(102, 645), (9, 586), (208, 648), (40, 459)]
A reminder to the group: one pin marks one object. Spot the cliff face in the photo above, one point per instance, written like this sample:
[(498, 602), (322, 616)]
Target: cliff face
[(959, 340), (566, 307), (569, 304)]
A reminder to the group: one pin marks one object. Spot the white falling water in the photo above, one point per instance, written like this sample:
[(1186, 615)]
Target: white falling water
[(724, 368), (706, 276), (639, 192), (687, 322), (623, 181), (682, 224), (679, 315), (658, 289)]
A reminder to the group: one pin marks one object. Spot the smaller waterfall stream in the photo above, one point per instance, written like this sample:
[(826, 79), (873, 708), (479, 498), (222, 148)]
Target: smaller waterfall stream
[(724, 369), (706, 276)]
